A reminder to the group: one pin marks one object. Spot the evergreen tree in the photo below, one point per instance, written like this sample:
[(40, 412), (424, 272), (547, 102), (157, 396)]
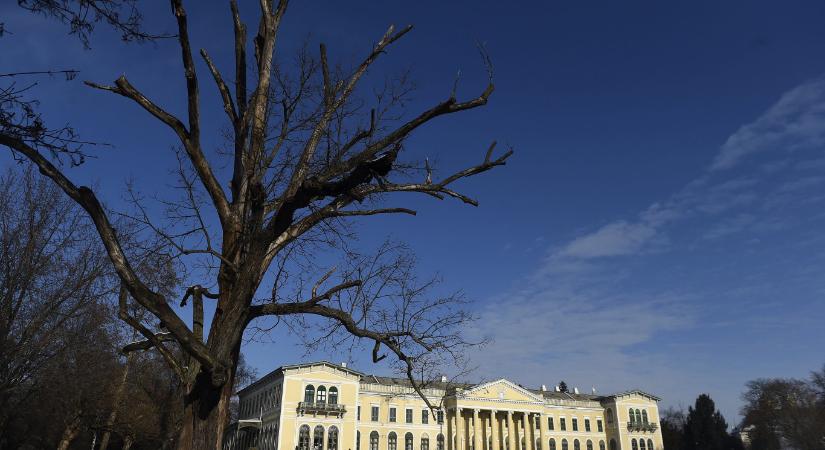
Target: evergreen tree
[(705, 428), (563, 386)]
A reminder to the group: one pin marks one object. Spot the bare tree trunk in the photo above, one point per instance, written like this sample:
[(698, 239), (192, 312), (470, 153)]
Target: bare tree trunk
[(206, 407), (70, 432), (204, 417), (121, 387)]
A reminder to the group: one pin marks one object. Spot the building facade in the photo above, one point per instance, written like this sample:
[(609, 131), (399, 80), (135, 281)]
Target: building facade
[(325, 406)]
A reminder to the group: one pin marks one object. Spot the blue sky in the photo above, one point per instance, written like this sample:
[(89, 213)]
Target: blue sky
[(660, 225)]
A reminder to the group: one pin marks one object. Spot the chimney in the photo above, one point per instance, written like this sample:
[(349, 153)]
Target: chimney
[(575, 390), (543, 388), (443, 378), (344, 365), (558, 389)]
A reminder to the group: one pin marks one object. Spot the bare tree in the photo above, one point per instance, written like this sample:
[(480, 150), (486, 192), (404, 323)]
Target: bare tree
[(306, 157), (53, 274)]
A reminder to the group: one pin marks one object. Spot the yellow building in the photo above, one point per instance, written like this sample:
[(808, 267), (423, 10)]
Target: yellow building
[(325, 406)]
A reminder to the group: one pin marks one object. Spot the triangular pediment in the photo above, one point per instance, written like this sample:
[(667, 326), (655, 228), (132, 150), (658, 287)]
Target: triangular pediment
[(502, 390), (638, 394)]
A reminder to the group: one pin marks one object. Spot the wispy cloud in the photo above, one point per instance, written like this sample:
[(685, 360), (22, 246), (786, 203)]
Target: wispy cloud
[(615, 239), (729, 226), (796, 121)]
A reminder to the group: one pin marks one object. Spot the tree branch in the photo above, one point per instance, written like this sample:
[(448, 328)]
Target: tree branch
[(388, 339), (228, 104), (190, 74), (192, 146), (302, 166), (297, 307), (152, 301), (152, 339)]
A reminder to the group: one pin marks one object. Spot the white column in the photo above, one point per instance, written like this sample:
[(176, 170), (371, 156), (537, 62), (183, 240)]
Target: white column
[(511, 431), (460, 429), (496, 429), (476, 431), (528, 432), (450, 429)]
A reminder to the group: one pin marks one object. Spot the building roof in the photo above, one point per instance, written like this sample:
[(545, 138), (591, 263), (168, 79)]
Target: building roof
[(396, 381), (636, 392), (568, 395)]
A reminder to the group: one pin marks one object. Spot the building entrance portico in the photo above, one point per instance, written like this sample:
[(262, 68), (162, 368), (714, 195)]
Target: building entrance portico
[(499, 415)]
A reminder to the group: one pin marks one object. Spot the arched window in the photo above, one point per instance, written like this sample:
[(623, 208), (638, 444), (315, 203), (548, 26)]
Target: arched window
[(538, 444), (634, 445), (439, 442), (589, 444), (332, 438), (303, 437), (333, 396), (642, 444), (552, 444), (613, 444), (408, 441), (309, 394), (318, 438), (357, 440), (650, 444), (576, 445), (564, 444), (425, 442), (321, 397), (638, 416), (644, 417), (601, 445), (392, 441), (374, 440), (609, 414)]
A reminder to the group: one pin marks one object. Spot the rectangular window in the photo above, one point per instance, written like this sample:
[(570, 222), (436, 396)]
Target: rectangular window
[(440, 415), (374, 414), (409, 416), (562, 424), (392, 414), (425, 416), (599, 425), (538, 422), (550, 424), (358, 415), (575, 424), (587, 425)]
